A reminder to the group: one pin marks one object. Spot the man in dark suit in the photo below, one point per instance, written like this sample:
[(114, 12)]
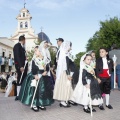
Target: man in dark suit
[(19, 59), (59, 43)]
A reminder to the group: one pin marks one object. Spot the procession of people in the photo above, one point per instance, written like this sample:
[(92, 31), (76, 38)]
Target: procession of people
[(41, 86)]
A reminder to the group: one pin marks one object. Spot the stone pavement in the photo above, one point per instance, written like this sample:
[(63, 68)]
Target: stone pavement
[(14, 110)]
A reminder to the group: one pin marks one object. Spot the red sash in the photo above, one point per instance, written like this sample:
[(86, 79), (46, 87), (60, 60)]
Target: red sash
[(104, 74)]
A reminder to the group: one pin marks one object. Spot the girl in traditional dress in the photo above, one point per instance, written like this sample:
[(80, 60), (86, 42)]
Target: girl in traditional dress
[(63, 85), (44, 93), (47, 58), (80, 94)]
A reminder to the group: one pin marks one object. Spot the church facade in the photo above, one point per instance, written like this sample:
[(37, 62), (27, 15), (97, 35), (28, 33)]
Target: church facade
[(23, 28)]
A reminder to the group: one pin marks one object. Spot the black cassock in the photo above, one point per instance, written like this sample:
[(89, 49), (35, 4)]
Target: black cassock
[(19, 58)]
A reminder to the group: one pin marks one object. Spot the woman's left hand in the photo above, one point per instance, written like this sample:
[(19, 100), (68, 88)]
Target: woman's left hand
[(45, 73), (69, 78)]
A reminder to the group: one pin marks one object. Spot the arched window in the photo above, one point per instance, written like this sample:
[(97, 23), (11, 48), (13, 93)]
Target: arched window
[(23, 14), (21, 25), (26, 25)]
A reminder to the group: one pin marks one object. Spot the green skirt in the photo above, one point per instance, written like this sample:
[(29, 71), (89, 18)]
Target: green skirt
[(44, 93)]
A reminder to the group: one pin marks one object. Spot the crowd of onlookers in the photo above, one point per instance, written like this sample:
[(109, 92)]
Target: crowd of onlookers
[(8, 83), (6, 63), (8, 79)]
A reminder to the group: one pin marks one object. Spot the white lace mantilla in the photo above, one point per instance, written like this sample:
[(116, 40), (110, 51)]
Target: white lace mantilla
[(39, 62)]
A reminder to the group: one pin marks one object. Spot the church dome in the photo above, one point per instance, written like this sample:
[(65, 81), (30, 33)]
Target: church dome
[(42, 36)]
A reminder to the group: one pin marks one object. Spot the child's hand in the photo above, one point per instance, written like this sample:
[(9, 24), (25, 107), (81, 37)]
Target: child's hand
[(99, 81), (45, 73), (36, 77), (87, 86)]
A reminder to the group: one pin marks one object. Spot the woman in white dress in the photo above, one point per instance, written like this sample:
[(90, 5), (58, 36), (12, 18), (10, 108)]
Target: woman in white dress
[(63, 87), (80, 94)]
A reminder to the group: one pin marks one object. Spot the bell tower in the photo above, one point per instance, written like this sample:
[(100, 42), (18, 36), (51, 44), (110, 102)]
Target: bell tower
[(24, 20), (24, 27)]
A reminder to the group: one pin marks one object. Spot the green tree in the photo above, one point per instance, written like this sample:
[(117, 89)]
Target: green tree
[(78, 57), (53, 55), (108, 34), (31, 52)]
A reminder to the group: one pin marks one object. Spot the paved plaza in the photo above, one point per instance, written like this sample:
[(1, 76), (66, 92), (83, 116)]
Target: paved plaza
[(15, 110)]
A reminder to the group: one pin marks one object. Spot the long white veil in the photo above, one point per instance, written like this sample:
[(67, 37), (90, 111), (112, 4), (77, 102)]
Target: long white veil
[(62, 65), (45, 52), (78, 92)]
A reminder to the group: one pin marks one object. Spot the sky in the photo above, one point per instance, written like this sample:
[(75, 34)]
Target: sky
[(72, 20)]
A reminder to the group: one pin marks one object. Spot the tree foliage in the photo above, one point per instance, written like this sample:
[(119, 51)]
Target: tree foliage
[(108, 34), (53, 55), (78, 57), (31, 52)]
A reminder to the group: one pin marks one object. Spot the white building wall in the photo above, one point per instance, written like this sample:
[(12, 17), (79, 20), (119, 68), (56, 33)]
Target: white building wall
[(6, 46), (7, 50)]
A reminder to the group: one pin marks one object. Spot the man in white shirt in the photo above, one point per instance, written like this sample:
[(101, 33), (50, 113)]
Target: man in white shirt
[(10, 63)]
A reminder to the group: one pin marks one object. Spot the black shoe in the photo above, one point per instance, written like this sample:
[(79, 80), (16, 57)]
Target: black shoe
[(42, 108), (72, 103), (86, 110), (93, 110), (109, 106), (101, 107), (35, 109), (66, 106), (16, 98)]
